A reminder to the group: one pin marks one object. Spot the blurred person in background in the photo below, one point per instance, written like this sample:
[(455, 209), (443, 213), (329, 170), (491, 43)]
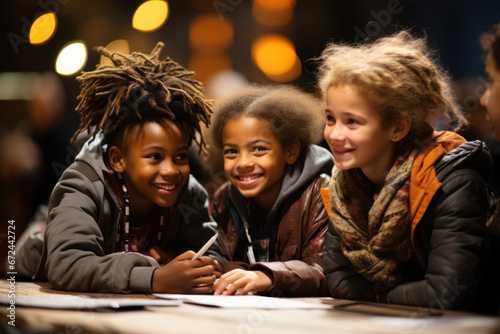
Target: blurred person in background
[(491, 101), (34, 153)]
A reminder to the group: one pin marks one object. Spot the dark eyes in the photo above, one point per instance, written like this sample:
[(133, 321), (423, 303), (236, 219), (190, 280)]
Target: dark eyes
[(255, 150), (154, 156), (260, 148), (158, 157), (182, 156)]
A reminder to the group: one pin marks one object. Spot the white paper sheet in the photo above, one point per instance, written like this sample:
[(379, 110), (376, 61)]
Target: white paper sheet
[(260, 302), (85, 303)]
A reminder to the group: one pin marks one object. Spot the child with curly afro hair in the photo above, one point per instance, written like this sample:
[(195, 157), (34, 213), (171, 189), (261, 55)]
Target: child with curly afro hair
[(270, 217)]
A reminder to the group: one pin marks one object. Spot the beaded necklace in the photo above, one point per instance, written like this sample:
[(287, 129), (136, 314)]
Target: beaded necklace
[(126, 216)]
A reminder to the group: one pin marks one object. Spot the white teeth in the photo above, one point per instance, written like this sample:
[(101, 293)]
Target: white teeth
[(165, 187), (248, 178), (342, 151)]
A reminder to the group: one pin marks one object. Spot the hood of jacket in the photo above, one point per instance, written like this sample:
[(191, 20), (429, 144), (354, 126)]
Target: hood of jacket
[(313, 161), (92, 153)]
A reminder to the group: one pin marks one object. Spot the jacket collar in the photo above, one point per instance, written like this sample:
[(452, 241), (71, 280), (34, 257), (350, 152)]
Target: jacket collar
[(424, 182), (93, 152)]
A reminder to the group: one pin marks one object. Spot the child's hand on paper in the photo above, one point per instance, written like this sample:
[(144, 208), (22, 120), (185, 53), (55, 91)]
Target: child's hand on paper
[(183, 275), (162, 256), (242, 282)]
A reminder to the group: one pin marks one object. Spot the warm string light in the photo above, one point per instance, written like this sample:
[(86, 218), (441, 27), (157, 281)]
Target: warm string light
[(210, 37), (71, 58), (150, 16), (276, 13), (275, 55), (43, 29)]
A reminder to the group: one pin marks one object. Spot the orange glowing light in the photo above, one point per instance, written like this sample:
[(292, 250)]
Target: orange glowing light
[(43, 28), (274, 13), (207, 31), (275, 4), (274, 54), (290, 75), (150, 16)]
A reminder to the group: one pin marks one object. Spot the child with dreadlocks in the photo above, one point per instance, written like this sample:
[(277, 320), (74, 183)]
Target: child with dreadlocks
[(125, 216)]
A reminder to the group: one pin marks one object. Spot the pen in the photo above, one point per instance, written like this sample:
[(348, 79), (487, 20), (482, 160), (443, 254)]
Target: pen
[(206, 246)]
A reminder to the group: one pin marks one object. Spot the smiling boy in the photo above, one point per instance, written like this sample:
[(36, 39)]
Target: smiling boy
[(117, 217)]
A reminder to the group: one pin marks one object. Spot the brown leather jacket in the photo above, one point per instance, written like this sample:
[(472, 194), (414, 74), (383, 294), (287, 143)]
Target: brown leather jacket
[(296, 245)]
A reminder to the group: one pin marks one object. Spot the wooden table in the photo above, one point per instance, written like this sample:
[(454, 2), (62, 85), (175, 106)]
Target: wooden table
[(189, 318)]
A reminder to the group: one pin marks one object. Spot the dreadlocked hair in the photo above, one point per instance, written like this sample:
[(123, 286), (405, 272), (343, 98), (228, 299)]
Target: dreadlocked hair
[(138, 88)]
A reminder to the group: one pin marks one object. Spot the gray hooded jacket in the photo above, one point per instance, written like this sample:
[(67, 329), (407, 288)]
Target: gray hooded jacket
[(82, 225)]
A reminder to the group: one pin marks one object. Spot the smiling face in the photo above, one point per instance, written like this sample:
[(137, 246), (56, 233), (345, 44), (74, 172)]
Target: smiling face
[(491, 97), (254, 160), (355, 134), (154, 164)]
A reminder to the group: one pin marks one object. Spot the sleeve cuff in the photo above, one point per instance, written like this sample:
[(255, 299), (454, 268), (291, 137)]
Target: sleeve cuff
[(141, 279)]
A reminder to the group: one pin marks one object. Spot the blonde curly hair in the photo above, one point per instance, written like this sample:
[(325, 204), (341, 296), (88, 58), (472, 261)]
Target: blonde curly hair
[(399, 77)]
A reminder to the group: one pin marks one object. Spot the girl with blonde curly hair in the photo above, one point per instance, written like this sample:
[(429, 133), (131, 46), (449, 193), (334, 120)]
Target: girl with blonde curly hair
[(407, 203)]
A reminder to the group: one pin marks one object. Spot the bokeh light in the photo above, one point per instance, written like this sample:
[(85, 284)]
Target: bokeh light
[(43, 28), (207, 31), (275, 5), (71, 58), (150, 16), (275, 13), (274, 55), (290, 75)]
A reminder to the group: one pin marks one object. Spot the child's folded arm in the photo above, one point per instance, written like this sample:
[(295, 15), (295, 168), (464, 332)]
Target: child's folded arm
[(79, 258)]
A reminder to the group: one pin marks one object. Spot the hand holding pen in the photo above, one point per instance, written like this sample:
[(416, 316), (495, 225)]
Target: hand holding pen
[(187, 273), (206, 246)]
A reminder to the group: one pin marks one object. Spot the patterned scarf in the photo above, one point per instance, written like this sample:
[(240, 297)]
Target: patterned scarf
[(375, 231)]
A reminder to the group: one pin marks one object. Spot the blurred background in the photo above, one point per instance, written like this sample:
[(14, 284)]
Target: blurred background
[(228, 43)]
